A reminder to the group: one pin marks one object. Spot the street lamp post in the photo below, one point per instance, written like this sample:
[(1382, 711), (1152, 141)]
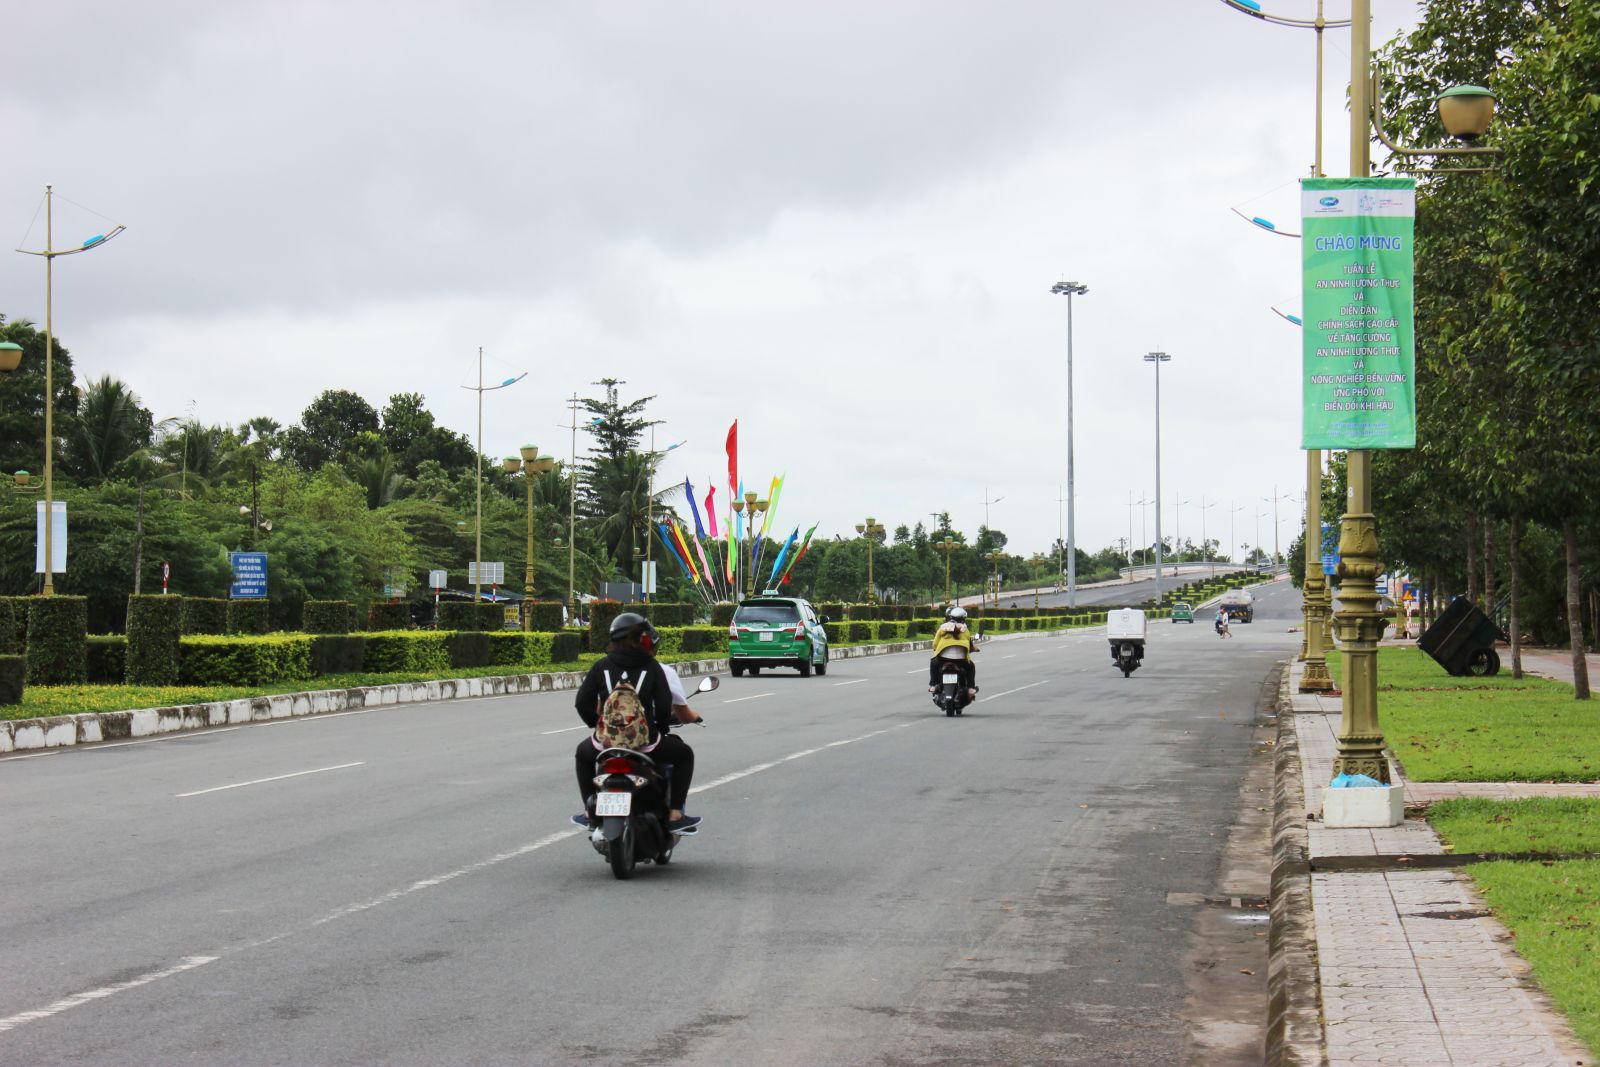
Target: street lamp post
[(1158, 358), (947, 546), (650, 500), (994, 557), (1069, 290), (872, 529), (1037, 562), (1233, 536), (752, 508), (50, 253), (1205, 550), (477, 548), (1276, 550), (530, 463)]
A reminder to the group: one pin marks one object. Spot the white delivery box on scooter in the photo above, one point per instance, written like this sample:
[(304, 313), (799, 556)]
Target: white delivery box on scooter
[(1125, 624)]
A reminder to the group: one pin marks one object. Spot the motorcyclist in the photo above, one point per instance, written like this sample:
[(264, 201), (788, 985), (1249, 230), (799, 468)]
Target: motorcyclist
[(954, 645), (631, 657)]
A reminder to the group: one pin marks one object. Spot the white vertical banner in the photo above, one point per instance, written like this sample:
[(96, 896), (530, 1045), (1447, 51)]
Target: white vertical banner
[(649, 575), (58, 537)]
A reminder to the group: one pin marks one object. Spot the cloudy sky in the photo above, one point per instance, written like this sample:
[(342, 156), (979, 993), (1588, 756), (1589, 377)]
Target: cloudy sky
[(836, 222)]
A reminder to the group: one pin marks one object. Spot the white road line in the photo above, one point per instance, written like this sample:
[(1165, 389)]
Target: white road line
[(189, 963), (563, 730), (1012, 656), (1019, 689), (33, 755), (1039, 650), (917, 671), (853, 681), (758, 768), (755, 696), (274, 778), (169, 737)]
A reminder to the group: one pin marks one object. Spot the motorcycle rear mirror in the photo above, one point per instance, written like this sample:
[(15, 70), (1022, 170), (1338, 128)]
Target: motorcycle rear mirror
[(708, 683)]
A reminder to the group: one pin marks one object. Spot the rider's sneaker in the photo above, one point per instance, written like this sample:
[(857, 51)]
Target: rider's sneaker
[(581, 820), (686, 825), (972, 694)]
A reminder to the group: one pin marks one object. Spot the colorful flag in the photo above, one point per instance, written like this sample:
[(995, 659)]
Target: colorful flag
[(694, 508), (783, 554), (666, 541), (798, 556), (733, 457), (683, 551), (706, 567), (711, 508)]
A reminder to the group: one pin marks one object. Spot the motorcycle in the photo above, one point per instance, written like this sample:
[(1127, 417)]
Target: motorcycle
[(952, 693), (1125, 627), (629, 813)]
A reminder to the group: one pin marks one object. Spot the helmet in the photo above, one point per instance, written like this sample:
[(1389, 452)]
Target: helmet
[(957, 613), (631, 624)]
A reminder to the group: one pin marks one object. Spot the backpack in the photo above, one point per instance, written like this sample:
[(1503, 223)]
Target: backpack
[(624, 721)]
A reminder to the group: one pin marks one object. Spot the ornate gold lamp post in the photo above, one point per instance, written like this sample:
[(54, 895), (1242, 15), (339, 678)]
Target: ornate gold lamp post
[(530, 464), (947, 546), (1037, 562), (872, 529), (994, 559), (752, 508)]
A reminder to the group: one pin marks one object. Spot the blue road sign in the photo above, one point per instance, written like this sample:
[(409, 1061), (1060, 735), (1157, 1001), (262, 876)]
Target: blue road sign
[(249, 576)]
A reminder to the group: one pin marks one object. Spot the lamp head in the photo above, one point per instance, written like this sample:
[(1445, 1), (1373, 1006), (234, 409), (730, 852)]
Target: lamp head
[(21, 477), (512, 464), (1069, 289), (10, 356), (529, 453), (1466, 111), (750, 499), (545, 464)]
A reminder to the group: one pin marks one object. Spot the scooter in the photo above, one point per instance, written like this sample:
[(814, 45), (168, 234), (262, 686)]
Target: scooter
[(952, 693), (1125, 627), (629, 813)]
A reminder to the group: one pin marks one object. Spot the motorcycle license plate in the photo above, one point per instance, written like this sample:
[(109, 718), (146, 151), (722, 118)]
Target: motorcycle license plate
[(606, 804), (766, 635), (951, 679)]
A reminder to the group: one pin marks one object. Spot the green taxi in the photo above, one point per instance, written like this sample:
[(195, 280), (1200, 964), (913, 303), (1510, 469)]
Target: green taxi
[(1182, 612), (774, 631)]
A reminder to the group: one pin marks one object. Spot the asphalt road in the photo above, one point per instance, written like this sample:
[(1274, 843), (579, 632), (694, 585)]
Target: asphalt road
[(875, 883)]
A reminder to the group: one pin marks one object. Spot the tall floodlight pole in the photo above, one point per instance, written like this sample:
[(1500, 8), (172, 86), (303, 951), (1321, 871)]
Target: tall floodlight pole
[(1158, 358), (477, 550), (572, 514), (50, 253), (1069, 290)]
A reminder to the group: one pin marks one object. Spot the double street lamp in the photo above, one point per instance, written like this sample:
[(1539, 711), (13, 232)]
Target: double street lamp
[(1158, 358), (1070, 290), (872, 529), (530, 463), (947, 546)]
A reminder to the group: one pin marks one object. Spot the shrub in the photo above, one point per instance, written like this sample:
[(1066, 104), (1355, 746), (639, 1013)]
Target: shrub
[(248, 616), (382, 615), (580, 635), (57, 640), (106, 659), (833, 610), (457, 615), (407, 652), (13, 678), (601, 612), (245, 661), (511, 648), (564, 646), (338, 654), (860, 631), (328, 617), (468, 649), (693, 639), (838, 632), (722, 614), (155, 624), (13, 625), (546, 615), (203, 615)]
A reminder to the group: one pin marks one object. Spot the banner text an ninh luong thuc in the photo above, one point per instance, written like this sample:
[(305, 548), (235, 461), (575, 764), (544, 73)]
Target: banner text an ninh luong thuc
[(1359, 352)]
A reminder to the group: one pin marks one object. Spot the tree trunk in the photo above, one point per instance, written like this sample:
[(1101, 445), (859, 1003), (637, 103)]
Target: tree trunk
[(1514, 624), (1472, 557), (1580, 664), (138, 543), (1488, 567)]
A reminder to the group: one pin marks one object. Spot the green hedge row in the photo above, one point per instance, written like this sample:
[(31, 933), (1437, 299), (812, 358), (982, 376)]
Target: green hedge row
[(384, 615), (461, 615), (204, 615), (107, 659), (328, 617), (248, 616), (13, 678), (155, 625), (13, 625), (238, 660), (57, 640)]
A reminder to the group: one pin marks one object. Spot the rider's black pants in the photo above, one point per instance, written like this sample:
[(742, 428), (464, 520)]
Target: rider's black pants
[(672, 749)]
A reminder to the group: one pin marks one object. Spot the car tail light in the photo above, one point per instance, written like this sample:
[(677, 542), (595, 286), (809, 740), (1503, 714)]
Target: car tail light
[(733, 631)]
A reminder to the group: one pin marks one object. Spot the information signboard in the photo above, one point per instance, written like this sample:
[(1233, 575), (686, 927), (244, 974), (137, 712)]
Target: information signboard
[(249, 576)]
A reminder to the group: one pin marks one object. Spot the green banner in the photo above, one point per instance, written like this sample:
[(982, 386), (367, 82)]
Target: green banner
[(1359, 351)]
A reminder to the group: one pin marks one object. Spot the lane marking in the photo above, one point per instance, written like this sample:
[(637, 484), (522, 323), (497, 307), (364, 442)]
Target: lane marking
[(1012, 656), (853, 681), (274, 778), (208, 732), (563, 730), (33, 755), (1019, 689), (758, 768), (189, 963), (917, 671), (1037, 651), (756, 696)]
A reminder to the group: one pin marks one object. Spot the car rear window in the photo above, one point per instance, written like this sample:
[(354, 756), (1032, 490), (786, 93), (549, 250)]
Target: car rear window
[(768, 613)]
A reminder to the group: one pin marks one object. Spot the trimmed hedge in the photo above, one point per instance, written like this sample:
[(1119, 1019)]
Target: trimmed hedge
[(407, 651), (564, 646), (859, 631), (382, 615), (468, 648), (249, 616), (601, 612), (57, 640), (155, 625), (722, 614), (204, 615), (328, 617), (13, 625), (107, 659), (546, 615), (512, 648), (461, 615), (251, 661), (338, 654), (833, 609), (13, 678)]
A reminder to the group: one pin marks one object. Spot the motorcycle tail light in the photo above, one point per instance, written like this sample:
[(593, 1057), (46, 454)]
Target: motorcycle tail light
[(616, 765)]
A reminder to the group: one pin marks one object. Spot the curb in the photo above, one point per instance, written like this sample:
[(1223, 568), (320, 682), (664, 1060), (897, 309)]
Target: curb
[(59, 731), (1294, 999)]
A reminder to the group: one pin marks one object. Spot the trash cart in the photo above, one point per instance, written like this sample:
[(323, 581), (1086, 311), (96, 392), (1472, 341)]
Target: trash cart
[(1462, 640)]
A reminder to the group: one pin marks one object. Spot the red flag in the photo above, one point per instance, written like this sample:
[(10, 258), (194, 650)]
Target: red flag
[(733, 458), (711, 508)]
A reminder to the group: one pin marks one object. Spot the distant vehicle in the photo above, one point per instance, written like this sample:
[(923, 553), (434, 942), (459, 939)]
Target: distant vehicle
[(1239, 604), (1182, 612), (1125, 627), (773, 631), (1265, 565)]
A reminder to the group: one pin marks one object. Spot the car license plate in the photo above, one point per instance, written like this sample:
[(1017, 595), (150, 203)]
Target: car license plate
[(766, 635), (607, 804), (951, 679)]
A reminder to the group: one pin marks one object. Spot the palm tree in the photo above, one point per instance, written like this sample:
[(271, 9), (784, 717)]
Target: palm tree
[(195, 456), (379, 476), (111, 428)]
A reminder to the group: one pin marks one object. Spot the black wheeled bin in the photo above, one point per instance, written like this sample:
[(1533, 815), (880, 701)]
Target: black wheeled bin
[(1462, 640)]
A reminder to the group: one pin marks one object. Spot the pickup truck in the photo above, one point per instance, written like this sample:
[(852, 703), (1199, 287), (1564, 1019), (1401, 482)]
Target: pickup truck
[(1240, 605)]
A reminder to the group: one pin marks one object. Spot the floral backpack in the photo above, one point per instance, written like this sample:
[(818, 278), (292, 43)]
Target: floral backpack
[(624, 722)]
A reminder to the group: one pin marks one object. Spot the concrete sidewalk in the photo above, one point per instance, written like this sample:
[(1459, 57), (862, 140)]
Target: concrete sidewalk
[(1378, 957)]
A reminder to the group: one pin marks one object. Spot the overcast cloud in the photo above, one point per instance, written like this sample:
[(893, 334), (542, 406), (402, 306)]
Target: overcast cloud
[(837, 223)]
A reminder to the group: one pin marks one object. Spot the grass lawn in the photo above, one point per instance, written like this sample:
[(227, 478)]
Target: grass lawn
[(1494, 729), (1540, 824), (1553, 910)]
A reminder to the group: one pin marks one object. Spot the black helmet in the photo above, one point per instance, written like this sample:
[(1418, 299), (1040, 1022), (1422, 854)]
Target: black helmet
[(632, 624)]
